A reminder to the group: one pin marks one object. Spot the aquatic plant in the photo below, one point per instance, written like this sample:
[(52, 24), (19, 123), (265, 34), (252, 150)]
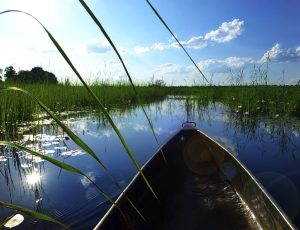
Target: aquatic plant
[(73, 136), (242, 103)]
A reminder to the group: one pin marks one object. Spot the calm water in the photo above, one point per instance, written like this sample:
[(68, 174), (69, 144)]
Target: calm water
[(270, 148)]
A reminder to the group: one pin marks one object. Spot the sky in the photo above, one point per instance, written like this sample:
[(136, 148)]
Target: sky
[(227, 39)]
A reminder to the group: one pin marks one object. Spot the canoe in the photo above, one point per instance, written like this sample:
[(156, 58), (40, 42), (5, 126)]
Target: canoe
[(200, 185)]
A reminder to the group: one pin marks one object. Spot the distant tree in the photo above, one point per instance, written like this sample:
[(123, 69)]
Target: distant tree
[(25, 76), (160, 83), (10, 74), (298, 83), (40, 76), (36, 75), (50, 78)]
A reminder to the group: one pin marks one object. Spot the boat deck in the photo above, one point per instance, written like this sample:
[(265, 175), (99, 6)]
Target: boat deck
[(205, 202)]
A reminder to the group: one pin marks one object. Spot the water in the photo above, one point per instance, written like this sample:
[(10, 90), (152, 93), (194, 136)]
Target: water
[(270, 148)]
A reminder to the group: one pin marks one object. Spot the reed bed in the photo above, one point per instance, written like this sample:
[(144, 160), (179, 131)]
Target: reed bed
[(273, 101), (15, 107)]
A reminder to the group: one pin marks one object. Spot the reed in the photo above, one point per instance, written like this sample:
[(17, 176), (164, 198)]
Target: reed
[(72, 135), (272, 101), (14, 107)]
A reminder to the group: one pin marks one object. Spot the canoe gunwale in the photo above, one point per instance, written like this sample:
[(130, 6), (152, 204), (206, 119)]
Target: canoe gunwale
[(270, 206), (254, 180), (135, 178)]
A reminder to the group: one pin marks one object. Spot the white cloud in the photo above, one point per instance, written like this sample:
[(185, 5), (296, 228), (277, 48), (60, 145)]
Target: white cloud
[(160, 46), (278, 54), (218, 68), (193, 43), (85, 182), (222, 65), (140, 49), (226, 32), (211, 65)]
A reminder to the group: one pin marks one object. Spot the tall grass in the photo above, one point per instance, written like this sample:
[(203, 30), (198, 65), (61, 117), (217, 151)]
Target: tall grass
[(15, 107), (268, 100), (272, 101), (73, 136)]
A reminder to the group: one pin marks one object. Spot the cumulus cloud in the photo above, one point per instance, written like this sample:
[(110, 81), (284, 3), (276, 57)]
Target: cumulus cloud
[(141, 49), (278, 54), (216, 66), (193, 43), (160, 46), (226, 32), (222, 65), (97, 47)]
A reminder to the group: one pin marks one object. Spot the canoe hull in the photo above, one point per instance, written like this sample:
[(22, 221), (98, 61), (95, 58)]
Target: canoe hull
[(202, 186)]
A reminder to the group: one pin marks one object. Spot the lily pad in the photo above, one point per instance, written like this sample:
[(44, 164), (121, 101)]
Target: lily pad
[(14, 221)]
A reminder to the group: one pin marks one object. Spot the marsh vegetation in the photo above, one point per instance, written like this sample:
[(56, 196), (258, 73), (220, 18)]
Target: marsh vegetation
[(29, 123)]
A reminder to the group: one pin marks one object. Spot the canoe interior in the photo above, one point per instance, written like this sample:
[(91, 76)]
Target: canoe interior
[(202, 186)]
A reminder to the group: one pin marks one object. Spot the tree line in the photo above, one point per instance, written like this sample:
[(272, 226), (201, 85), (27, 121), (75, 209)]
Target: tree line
[(35, 75)]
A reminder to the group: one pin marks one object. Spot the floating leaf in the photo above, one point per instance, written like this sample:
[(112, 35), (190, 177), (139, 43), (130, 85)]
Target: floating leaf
[(31, 213), (14, 221)]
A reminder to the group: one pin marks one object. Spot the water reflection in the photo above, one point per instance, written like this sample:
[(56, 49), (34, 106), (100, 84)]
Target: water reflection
[(34, 178), (262, 144)]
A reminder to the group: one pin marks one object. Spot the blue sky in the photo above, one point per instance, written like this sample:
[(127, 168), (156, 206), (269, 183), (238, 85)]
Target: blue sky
[(224, 37)]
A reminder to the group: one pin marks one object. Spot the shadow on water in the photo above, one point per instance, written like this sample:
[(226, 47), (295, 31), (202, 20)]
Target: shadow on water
[(269, 147)]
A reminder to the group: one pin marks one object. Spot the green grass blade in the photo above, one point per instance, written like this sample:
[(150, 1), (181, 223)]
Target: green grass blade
[(72, 135), (168, 28), (76, 139), (57, 163), (34, 214), (95, 19), (101, 106), (107, 37)]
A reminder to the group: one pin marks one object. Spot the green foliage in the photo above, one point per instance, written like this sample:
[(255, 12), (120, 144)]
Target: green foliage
[(272, 101), (10, 73), (157, 82), (36, 75), (15, 107), (31, 213)]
